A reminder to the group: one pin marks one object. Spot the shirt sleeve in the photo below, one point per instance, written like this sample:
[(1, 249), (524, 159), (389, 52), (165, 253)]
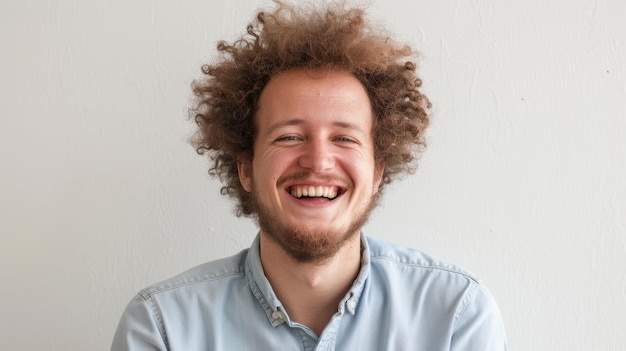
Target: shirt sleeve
[(139, 328), (479, 324)]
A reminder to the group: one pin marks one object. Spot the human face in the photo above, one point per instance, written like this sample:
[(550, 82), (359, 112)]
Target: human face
[(313, 177)]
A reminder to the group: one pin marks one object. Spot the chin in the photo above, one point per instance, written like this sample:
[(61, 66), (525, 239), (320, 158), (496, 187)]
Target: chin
[(308, 243)]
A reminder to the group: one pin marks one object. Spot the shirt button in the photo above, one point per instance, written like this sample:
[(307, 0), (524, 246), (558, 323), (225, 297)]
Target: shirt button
[(351, 304), (277, 315)]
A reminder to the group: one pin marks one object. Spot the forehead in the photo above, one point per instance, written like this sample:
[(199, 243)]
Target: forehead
[(314, 95)]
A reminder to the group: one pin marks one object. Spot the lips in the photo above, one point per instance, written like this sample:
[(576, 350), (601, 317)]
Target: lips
[(314, 191)]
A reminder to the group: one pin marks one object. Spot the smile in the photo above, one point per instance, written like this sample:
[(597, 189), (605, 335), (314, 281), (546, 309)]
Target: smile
[(310, 191)]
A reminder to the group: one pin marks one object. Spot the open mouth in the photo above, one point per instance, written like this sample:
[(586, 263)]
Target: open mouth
[(313, 192)]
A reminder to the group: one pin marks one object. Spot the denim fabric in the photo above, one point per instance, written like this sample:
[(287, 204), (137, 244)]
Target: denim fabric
[(402, 299)]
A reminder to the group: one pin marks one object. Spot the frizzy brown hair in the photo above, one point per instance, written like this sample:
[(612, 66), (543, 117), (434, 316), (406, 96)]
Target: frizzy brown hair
[(335, 38)]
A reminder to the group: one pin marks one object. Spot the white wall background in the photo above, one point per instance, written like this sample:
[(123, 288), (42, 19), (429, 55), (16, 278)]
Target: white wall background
[(523, 183)]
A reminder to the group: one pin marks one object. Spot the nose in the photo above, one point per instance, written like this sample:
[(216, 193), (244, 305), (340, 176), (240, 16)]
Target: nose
[(317, 156)]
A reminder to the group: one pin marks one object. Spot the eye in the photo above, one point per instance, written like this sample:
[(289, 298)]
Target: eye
[(288, 138), (345, 140)]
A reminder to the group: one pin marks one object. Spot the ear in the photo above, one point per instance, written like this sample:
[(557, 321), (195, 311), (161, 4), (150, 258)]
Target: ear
[(378, 175), (244, 168)]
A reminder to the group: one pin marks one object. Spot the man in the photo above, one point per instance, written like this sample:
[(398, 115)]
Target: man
[(306, 119)]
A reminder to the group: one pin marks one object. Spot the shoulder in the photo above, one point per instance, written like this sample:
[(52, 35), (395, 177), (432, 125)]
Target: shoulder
[(189, 298), (217, 271), (446, 294), (397, 256)]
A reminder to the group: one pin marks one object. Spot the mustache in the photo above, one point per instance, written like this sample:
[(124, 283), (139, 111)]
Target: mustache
[(304, 176)]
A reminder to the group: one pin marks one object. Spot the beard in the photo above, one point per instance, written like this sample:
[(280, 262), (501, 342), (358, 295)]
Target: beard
[(308, 245)]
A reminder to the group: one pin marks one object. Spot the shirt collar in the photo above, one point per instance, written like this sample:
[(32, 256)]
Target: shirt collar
[(351, 300), (260, 286)]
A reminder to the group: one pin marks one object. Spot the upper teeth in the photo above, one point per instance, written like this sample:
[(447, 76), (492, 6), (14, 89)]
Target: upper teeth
[(314, 191)]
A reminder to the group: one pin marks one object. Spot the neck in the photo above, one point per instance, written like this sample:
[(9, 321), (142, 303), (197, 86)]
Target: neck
[(310, 292)]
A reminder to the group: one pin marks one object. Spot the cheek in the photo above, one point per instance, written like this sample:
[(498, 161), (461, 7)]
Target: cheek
[(361, 169), (270, 165)]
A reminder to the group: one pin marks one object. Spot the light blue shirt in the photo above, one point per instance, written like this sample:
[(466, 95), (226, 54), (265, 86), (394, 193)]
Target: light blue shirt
[(402, 299)]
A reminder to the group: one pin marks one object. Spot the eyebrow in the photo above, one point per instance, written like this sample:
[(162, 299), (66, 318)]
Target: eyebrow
[(298, 121), (290, 122)]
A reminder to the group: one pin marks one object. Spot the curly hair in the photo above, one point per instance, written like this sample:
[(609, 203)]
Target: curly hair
[(335, 37)]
